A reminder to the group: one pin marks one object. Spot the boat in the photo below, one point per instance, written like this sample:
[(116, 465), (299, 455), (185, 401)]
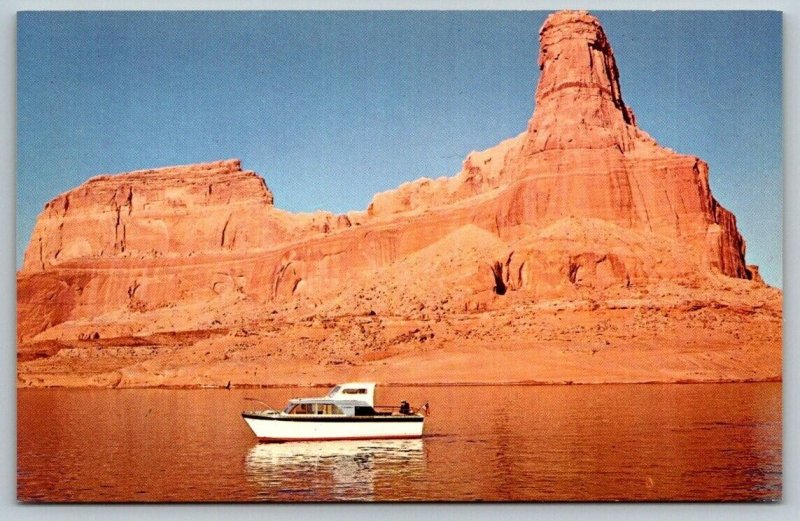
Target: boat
[(347, 412)]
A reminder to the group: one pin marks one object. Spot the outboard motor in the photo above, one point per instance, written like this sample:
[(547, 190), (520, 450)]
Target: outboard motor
[(405, 408)]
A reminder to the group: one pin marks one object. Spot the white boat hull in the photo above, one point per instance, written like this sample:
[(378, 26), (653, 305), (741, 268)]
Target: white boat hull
[(284, 428)]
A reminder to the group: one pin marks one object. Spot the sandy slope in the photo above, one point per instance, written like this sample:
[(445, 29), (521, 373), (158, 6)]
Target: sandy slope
[(629, 340)]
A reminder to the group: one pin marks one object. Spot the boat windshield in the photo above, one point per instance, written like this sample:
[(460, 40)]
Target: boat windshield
[(313, 408), (334, 390)]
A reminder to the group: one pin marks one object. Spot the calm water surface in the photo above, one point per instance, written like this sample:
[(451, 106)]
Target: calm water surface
[(494, 443)]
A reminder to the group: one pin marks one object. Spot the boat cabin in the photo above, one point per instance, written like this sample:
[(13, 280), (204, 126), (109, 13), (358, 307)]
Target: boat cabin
[(350, 399), (323, 407)]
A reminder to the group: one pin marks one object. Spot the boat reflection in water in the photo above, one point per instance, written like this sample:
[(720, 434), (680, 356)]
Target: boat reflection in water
[(355, 470)]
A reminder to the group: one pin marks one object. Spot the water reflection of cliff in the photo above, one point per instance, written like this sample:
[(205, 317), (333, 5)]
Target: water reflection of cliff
[(335, 470)]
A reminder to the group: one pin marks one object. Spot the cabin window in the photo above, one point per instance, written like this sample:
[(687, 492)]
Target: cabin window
[(327, 408), (315, 408), (364, 411), (301, 408), (355, 391)]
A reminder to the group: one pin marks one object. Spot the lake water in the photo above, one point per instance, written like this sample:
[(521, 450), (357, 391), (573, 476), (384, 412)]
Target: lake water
[(492, 443)]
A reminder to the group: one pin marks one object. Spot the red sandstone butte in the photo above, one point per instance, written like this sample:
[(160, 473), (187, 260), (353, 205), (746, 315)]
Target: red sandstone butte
[(578, 251)]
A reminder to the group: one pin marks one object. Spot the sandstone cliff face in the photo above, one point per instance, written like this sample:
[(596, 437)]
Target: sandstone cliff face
[(166, 211), (582, 156), (171, 212), (581, 201)]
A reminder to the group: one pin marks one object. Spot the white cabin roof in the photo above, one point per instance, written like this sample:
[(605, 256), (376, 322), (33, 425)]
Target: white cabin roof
[(359, 391)]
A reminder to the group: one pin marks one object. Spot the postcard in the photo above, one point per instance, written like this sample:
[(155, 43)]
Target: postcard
[(319, 256)]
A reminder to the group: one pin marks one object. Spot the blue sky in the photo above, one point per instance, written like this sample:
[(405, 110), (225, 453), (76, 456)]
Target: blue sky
[(332, 107)]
